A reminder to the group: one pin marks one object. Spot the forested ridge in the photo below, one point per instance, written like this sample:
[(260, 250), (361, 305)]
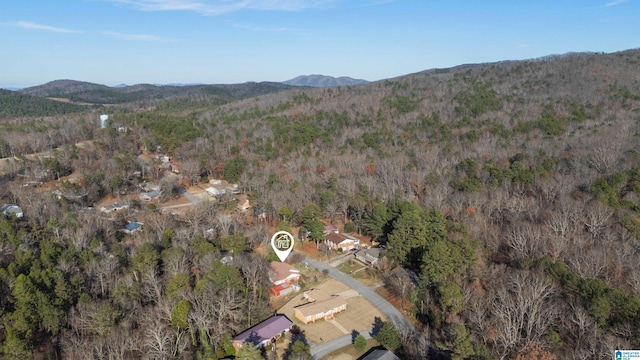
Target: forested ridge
[(14, 104), (510, 188), (84, 92)]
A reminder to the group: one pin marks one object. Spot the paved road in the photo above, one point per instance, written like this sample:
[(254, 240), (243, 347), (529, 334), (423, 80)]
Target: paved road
[(321, 350), (401, 323)]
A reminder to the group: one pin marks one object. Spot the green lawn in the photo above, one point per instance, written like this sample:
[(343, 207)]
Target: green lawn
[(351, 266), (359, 271)]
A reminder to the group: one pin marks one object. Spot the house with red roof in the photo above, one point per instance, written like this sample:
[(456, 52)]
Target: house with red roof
[(283, 273), (330, 228), (284, 278)]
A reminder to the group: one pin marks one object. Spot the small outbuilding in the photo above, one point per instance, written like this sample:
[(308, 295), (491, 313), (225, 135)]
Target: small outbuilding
[(284, 289), (132, 227)]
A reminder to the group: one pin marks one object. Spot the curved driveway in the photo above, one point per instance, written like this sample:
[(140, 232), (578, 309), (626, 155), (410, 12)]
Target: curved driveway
[(401, 323), (321, 350)]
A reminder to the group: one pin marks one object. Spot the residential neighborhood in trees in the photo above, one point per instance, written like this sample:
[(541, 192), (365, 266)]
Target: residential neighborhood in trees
[(485, 211)]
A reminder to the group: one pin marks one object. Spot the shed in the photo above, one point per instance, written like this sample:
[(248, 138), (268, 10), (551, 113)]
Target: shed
[(283, 289), (132, 227)]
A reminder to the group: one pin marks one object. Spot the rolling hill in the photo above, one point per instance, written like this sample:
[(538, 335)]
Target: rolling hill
[(324, 81), (85, 92), (536, 162), (510, 189), (15, 104)]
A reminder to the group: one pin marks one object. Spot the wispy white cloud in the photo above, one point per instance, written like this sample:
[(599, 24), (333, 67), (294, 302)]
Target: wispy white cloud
[(219, 7), (34, 26), (137, 37), (614, 3)]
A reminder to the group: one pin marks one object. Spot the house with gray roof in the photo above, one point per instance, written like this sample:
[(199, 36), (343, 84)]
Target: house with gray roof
[(379, 354), (264, 333), (369, 256)]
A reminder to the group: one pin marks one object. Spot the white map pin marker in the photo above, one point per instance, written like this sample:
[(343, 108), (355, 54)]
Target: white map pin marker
[(282, 244)]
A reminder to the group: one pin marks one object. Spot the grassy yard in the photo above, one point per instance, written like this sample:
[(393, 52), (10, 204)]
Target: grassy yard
[(351, 266), (359, 271), (349, 352), (359, 316)]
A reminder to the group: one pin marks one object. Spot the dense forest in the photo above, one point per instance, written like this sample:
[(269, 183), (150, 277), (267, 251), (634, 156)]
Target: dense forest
[(13, 105), (511, 189)]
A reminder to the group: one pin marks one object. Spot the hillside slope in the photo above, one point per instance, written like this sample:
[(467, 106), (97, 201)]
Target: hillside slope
[(510, 189), (15, 104), (538, 159)]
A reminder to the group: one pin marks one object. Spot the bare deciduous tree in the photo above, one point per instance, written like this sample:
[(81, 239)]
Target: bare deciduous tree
[(158, 340), (597, 215), (588, 263), (603, 158), (522, 312), (176, 262), (255, 271), (151, 285), (525, 242)]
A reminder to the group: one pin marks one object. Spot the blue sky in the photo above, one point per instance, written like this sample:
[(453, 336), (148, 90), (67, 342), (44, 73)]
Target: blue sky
[(233, 41)]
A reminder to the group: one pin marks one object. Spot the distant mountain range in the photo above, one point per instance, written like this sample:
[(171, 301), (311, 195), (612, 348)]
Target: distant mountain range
[(90, 93), (172, 84), (82, 92), (324, 81)]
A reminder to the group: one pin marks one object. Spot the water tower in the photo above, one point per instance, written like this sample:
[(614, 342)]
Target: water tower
[(103, 120)]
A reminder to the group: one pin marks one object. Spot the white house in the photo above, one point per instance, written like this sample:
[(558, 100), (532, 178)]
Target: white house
[(213, 191)]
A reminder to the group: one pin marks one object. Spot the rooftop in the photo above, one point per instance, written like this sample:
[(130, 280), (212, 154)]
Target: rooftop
[(317, 307), (316, 295), (373, 252), (265, 330), (379, 354), (283, 270), (336, 238), (131, 227), (329, 228)]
